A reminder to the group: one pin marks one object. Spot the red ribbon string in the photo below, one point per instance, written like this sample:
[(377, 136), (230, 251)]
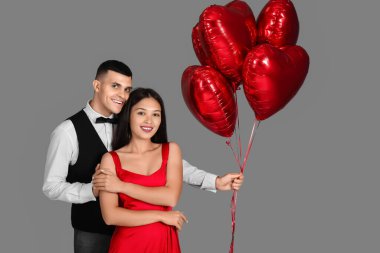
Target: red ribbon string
[(242, 167)]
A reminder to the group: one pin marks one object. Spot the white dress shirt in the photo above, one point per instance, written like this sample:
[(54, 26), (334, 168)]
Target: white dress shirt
[(63, 151)]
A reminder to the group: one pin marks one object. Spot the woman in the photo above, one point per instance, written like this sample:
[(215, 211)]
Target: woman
[(143, 157)]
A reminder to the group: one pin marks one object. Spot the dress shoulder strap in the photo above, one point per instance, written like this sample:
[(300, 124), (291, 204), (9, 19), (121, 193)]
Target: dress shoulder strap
[(116, 161), (165, 152)]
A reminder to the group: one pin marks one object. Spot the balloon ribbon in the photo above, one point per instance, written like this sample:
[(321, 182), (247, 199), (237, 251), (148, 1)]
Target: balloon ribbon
[(242, 167)]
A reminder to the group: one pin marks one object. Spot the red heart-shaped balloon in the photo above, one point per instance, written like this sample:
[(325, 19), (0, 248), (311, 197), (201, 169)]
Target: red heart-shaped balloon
[(277, 23), (237, 6), (249, 18), (210, 99), (198, 48), (225, 35), (272, 76)]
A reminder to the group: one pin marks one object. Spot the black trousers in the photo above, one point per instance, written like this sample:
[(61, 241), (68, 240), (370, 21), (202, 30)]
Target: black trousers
[(86, 242)]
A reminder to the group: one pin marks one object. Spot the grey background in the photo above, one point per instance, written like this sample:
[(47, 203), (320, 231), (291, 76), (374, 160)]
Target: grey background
[(312, 180)]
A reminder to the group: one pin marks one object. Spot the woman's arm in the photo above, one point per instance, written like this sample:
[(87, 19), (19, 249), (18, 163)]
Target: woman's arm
[(119, 216), (167, 195), (115, 215)]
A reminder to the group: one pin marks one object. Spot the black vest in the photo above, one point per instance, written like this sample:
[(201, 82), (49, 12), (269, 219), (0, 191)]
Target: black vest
[(87, 216)]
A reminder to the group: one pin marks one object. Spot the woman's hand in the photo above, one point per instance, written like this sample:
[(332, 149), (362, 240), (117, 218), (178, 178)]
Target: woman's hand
[(174, 218)]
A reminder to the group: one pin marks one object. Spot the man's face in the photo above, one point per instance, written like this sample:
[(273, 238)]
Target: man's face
[(112, 91)]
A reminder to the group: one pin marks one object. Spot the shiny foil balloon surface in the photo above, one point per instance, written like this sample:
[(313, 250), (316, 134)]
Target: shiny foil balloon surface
[(210, 99), (225, 40), (237, 6), (272, 76), (198, 49), (250, 22), (278, 23)]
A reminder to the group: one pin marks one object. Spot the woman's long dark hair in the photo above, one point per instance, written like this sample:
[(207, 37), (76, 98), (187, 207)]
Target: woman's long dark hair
[(122, 135)]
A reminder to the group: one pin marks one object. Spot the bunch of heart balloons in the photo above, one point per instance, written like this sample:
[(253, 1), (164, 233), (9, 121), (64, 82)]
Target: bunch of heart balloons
[(235, 50)]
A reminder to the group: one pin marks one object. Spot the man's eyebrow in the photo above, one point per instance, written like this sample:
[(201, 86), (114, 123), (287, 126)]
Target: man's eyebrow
[(128, 87)]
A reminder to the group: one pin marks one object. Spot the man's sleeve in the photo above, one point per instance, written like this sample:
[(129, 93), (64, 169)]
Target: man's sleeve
[(198, 178), (58, 158)]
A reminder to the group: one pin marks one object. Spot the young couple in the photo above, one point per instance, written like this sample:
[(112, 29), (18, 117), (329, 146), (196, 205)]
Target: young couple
[(136, 185)]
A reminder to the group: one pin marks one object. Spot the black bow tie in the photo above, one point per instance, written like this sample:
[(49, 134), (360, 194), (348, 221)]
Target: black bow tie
[(106, 120)]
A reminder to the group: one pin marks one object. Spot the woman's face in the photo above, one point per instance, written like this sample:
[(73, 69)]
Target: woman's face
[(145, 118)]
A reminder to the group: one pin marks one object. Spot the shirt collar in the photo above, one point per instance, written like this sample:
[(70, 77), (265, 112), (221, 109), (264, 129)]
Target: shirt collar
[(92, 114)]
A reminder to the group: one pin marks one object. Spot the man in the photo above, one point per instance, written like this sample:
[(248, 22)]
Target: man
[(76, 147)]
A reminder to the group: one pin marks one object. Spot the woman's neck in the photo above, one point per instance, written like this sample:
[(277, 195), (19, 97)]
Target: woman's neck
[(140, 146)]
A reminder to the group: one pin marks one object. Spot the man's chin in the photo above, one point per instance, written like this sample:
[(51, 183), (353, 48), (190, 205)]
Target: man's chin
[(116, 110)]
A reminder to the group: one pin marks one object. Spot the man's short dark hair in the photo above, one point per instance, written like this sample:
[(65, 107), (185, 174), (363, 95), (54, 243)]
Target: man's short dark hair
[(113, 65)]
